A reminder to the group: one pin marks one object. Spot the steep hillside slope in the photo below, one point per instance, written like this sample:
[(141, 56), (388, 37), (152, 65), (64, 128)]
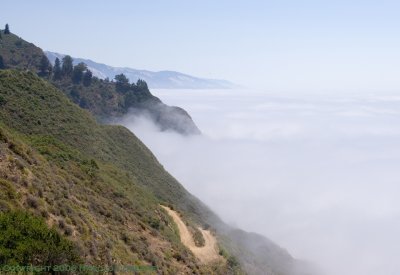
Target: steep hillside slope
[(99, 185), (102, 188), (18, 53), (206, 253), (160, 80), (102, 98), (106, 103)]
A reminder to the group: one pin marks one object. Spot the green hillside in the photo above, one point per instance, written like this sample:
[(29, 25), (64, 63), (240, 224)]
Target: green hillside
[(101, 187), (18, 53), (97, 184), (105, 99), (98, 189)]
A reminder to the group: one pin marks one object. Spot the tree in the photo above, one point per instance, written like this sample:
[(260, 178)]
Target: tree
[(141, 84), (2, 65), (83, 103), (77, 73), (122, 83), (76, 97), (130, 99), (67, 66), (87, 78), (7, 29), (45, 67), (57, 69)]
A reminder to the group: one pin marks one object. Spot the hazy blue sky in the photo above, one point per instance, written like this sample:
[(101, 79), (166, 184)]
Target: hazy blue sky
[(276, 45)]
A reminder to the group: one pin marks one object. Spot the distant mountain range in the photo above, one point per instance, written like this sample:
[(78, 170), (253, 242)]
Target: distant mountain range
[(161, 79)]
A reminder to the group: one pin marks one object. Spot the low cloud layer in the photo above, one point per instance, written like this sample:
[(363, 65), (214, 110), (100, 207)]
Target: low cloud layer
[(318, 174)]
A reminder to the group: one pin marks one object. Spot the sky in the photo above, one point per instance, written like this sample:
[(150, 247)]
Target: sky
[(300, 46), (317, 174), (310, 148)]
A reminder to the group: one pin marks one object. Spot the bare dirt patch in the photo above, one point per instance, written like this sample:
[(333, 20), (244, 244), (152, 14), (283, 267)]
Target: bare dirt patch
[(206, 253)]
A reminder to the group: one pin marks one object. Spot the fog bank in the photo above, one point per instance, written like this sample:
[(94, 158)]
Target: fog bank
[(317, 174)]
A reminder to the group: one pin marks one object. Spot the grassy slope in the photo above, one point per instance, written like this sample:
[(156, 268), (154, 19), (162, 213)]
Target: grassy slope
[(104, 102), (123, 192), (36, 108), (96, 183), (18, 53), (103, 184), (101, 97)]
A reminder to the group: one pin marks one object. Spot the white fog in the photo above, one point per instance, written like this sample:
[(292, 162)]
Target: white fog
[(317, 174)]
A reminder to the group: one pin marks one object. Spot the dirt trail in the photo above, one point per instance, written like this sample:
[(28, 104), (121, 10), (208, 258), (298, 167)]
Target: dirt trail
[(206, 253)]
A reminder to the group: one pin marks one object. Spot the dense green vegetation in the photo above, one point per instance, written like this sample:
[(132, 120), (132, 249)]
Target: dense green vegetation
[(27, 240), (105, 99), (36, 108), (98, 185), (16, 53), (102, 97)]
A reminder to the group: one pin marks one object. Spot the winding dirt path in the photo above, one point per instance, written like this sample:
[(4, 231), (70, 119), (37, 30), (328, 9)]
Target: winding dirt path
[(206, 253)]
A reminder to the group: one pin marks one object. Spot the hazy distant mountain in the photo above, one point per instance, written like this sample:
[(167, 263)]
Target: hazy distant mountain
[(162, 79)]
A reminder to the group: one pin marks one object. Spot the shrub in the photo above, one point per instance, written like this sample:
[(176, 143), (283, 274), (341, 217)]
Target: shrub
[(198, 237), (61, 224), (44, 213), (68, 230), (7, 190), (4, 206), (32, 202), (3, 101), (18, 43), (26, 240), (232, 262)]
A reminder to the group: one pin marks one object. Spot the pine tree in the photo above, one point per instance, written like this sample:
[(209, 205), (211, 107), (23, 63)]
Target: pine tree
[(141, 84), (45, 67), (57, 69), (122, 83), (77, 73), (67, 66), (87, 78), (7, 29)]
